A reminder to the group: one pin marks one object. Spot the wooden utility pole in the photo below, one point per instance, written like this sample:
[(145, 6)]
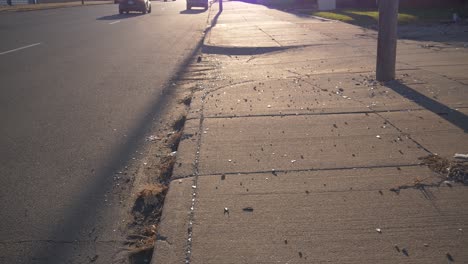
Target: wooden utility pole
[(220, 5), (387, 41)]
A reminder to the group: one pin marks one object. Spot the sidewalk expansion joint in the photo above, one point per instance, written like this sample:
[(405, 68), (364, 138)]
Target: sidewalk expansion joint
[(402, 132), (378, 113), (188, 252), (275, 171), (314, 114)]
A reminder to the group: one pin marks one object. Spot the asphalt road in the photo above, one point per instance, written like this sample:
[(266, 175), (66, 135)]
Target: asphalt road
[(78, 88)]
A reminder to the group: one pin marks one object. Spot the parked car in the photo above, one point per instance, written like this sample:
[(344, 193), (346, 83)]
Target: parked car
[(126, 6), (197, 3)]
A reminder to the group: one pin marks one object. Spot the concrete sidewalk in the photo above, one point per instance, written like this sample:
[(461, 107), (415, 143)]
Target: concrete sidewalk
[(293, 153)]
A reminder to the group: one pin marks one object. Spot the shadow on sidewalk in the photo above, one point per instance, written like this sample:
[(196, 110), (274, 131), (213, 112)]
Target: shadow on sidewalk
[(192, 11), (453, 116), (236, 51)]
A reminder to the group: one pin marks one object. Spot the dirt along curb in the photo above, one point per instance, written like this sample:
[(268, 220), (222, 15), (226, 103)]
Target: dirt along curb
[(154, 175), (45, 6), (154, 202)]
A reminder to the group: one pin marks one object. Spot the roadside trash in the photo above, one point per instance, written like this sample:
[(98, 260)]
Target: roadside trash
[(152, 138), (226, 210), (454, 171), (194, 187), (378, 136), (448, 183), (397, 248), (172, 154), (269, 106), (248, 209), (460, 156), (180, 181), (426, 245), (199, 59), (449, 257), (405, 251), (378, 230), (292, 161)]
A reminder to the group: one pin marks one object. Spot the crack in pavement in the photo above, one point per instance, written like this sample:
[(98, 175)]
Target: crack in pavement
[(312, 114), (298, 170)]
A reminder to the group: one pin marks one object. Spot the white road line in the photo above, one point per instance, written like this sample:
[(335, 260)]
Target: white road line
[(25, 47), (111, 23)]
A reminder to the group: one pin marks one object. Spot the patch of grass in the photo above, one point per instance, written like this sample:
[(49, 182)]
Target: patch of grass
[(367, 17), (334, 15)]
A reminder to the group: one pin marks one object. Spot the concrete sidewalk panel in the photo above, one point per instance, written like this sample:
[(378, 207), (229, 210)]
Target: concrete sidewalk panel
[(357, 89), (432, 58), (276, 97), (332, 216), (233, 145), (434, 86), (431, 131), (333, 93)]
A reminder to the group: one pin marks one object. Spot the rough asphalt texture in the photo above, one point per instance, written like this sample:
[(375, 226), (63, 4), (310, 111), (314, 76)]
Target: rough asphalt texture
[(291, 149)]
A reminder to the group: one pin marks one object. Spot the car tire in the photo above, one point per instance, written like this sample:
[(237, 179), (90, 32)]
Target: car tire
[(121, 11), (206, 7), (145, 10), (149, 10), (189, 7), (127, 12)]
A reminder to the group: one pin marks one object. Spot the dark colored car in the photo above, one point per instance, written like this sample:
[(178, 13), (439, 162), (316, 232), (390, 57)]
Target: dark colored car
[(126, 6), (197, 3)]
